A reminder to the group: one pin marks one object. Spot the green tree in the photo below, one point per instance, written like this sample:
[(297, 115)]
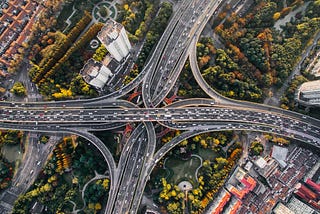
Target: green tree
[(12, 137), (103, 11), (256, 148), (220, 162)]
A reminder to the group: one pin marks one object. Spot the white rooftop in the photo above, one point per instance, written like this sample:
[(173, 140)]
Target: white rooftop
[(261, 162), (282, 209), (279, 153), (310, 86)]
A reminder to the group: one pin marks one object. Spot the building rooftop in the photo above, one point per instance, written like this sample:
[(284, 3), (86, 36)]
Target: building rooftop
[(279, 153), (219, 202), (248, 166), (91, 68), (261, 162), (244, 185), (282, 209), (298, 206), (310, 86), (110, 63), (233, 206), (224, 199), (280, 184), (313, 185), (110, 31), (267, 166), (96, 73), (15, 25)]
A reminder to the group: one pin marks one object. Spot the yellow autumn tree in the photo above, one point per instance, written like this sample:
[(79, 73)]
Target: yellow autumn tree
[(64, 93), (97, 206), (105, 184), (276, 16)]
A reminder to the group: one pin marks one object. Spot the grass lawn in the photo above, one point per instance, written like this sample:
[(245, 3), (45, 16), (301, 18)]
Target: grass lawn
[(67, 177), (113, 12), (64, 15), (108, 138), (162, 173), (207, 154), (11, 152), (183, 168)]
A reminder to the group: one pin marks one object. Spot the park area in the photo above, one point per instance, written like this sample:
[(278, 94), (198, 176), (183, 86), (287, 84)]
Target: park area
[(183, 169), (74, 10), (103, 10)]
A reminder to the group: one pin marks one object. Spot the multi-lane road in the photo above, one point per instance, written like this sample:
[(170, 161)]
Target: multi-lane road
[(138, 158), (33, 119), (163, 75)]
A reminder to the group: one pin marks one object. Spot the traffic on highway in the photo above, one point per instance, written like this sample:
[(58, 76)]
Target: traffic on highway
[(194, 116)]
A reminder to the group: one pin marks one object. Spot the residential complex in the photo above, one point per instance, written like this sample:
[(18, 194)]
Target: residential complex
[(266, 186), (95, 73), (114, 37), (16, 19)]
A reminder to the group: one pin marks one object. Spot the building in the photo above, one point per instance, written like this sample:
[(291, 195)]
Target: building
[(305, 193), (240, 183), (308, 94), (279, 185), (280, 208), (16, 20), (266, 166), (233, 206), (114, 37), (220, 201), (280, 155), (95, 73), (298, 206), (313, 185)]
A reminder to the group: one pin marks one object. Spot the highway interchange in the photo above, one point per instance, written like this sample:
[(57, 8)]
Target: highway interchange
[(194, 116)]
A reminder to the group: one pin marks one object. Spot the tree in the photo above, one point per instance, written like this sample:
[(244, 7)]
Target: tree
[(103, 11), (105, 184), (44, 139), (174, 208), (18, 89), (5, 173), (203, 143), (276, 16), (12, 137), (256, 148), (63, 94), (264, 15), (100, 53), (156, 29), (280, 140), (97, 206), (220, 163)]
